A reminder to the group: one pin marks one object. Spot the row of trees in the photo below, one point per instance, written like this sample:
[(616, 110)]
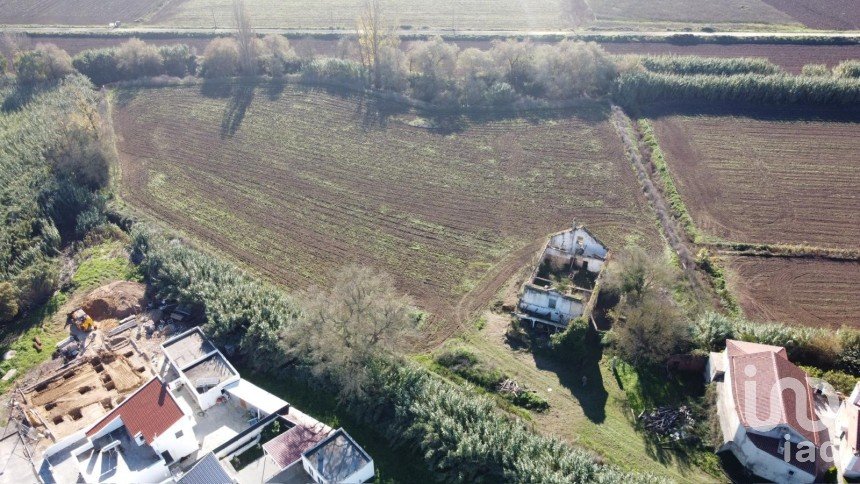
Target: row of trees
[(689, 65), (648, 87), (849, 69), (134, 59), (53, 166), (345, 340)]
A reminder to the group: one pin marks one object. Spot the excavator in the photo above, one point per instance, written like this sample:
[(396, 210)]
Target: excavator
[(81, 320)]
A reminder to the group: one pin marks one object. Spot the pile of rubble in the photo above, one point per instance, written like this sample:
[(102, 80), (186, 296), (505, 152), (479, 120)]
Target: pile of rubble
[(671, 422)]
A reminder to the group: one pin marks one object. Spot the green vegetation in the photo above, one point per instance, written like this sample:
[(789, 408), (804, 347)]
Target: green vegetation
[(689, 65), (102, 263), (464, 363), (21, 336), (649, 87), (670, 191), (52, 165), (460, 433)]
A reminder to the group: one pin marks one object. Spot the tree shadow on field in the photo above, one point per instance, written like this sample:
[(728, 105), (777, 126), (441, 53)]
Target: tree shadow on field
[(240, 98), (590, 393)]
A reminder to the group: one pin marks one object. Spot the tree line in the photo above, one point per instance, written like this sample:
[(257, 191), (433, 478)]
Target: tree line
[(439, 73), (54, 166)]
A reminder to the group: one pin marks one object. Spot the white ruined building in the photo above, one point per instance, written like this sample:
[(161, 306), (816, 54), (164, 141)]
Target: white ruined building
[(561, 286)]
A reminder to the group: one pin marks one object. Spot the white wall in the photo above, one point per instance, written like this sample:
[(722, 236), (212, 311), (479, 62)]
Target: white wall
[(565, 308), (567, 241), (178, 447)]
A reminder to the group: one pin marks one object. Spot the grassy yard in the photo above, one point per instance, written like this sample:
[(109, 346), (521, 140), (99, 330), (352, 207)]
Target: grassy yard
[(597, 415)]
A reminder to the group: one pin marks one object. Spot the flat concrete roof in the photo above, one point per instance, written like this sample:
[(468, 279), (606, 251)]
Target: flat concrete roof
[(188, 347)]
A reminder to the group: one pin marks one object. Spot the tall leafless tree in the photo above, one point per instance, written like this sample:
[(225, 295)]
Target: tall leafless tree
[(371, 36), (245, 37)]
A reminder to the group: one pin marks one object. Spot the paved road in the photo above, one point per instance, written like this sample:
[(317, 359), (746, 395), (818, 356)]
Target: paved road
[(130, 31)]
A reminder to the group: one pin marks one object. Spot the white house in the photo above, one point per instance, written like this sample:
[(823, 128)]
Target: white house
[(199, 366), (554, 294), (848, 425), (338, 459), (134, 442), (766, 412)]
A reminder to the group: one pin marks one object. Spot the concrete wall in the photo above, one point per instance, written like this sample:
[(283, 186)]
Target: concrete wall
[(571, 239), (362, 475), (538, 300)]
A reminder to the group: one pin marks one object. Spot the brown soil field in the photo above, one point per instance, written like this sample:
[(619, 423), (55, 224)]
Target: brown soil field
[(803, 291), (73, 12), (792, 58), (822, 14), (297, 183), (768, 177)]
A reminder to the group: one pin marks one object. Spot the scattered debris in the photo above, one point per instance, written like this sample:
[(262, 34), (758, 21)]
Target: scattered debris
[(671, 422), (10, 374)]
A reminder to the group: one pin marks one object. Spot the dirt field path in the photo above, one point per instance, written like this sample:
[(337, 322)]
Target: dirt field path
[(675, 236)]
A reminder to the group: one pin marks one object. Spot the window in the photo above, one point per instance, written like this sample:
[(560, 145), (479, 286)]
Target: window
[(552, 302), (179, 434)]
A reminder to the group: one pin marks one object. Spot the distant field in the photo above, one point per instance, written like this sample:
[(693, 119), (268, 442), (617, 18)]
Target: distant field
[(690, 11), (298, 183), (73, 12), (448, 14), (822, 14), (768, 178), (792, 58), (456, 14), (811, 292)]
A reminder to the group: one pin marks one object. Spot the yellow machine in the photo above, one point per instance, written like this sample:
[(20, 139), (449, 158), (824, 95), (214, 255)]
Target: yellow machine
[(81, 320)]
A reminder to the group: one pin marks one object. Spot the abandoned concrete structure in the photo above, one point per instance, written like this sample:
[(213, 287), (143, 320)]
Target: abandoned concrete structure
[(562, 284)]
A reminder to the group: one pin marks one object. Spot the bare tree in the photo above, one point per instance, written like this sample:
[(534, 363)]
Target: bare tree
[(245, 38), (11, 43), (361, 318), (371, 37)]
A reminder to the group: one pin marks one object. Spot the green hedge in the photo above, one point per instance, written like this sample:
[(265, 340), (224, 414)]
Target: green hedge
[(689, 65)]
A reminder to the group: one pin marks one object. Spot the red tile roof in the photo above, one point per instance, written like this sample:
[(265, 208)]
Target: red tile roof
[(149, 411), (769, 390), (290, 445)]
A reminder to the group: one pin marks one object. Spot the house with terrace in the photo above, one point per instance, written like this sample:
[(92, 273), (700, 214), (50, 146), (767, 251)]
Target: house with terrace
[(767, 412), (188, 422), (561, 287)]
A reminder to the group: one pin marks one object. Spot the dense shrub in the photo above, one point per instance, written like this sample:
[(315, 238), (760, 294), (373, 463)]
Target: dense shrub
[(334, 71), (277, 56), (647, 87), (46, 62), (178, 60), (815, 70), (570, 344), (100, 65), (51, 165), (136, 58), (711, 330), (571, 69), (221, 58), (687, 65), (8, 301), (848, 69)]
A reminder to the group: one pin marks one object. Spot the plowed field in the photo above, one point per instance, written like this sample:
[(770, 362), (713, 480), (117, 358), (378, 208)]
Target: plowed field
[(771, 178), (73, 12), (297, 183), (792, 58), (804, 291), (822, 14)]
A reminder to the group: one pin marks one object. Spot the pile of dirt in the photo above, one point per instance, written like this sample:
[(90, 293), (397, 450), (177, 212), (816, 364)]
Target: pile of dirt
[(115, 300)]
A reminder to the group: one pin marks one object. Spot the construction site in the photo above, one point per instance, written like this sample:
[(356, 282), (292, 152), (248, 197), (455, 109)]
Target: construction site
[(102, 361)]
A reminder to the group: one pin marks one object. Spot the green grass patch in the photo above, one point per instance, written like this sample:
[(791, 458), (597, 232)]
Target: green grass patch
[(393, 465), (103, 263), (20, 338)]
